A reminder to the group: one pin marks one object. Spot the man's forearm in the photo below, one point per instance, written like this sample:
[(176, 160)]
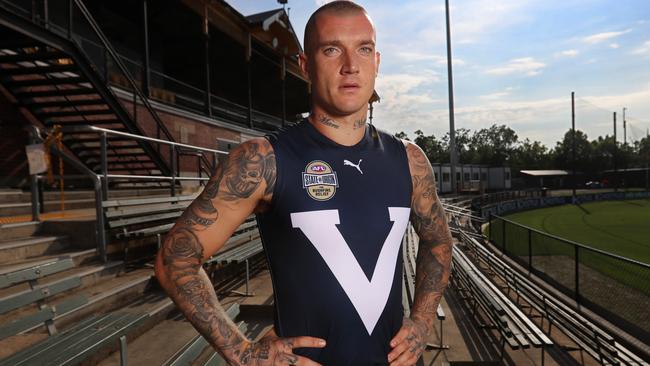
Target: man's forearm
[(432, 276), (434, 249), (189, 286)]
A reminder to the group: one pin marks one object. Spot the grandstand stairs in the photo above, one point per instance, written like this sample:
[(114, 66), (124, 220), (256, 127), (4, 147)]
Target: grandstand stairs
[(55, 83)]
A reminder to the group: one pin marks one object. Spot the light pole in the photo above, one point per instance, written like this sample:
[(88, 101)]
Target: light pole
[(452, 129), (573, 143)]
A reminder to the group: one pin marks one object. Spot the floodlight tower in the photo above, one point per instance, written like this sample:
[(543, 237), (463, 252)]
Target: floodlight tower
[(452, 129)]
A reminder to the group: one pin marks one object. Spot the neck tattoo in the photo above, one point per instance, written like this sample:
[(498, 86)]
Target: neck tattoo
[(328, 122), (360, 123)]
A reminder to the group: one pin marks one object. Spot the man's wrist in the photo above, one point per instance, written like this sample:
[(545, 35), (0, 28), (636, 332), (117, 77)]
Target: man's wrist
[(423, 322), (234, 355)]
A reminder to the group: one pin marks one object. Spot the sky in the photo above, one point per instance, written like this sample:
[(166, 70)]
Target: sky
[(515, 62)]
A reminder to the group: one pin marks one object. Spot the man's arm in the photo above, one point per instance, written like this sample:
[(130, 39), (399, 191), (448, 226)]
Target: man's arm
[(239, 186), (433, 260)]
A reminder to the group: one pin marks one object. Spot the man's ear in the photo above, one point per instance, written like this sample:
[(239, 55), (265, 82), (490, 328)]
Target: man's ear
[(302, 62)]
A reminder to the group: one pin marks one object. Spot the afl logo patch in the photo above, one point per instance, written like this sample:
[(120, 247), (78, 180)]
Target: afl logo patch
[(319, 180)]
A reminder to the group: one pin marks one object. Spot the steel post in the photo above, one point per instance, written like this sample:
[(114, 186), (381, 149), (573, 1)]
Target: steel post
[(103, 142)]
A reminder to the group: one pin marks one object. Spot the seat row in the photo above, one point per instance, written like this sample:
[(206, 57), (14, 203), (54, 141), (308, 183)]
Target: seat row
[(586, 334)]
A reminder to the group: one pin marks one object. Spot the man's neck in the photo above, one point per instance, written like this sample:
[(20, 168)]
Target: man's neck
[(346, 130)]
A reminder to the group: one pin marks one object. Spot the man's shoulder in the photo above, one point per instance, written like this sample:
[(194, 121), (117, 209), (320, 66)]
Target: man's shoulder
[(284, 132), (385, 135)]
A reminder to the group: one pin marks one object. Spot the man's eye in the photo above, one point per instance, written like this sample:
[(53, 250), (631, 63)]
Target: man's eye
[(329, 51), (366, 50)]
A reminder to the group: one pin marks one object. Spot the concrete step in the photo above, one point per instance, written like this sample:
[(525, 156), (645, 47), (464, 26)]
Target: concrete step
[(18, 230), (24, 208), (14, 250)]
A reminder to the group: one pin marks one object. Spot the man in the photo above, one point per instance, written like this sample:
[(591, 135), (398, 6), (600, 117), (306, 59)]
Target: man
[(333, 197)]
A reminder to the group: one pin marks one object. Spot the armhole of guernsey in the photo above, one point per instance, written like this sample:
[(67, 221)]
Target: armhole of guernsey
[(408, 169), (279, 182)]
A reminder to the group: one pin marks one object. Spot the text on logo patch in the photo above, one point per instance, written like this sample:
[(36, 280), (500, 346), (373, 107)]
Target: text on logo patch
[(319, 180)]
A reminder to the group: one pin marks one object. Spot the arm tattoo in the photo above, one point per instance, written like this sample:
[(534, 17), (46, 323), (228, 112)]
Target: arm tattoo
[(182, 253), (182, 256), (434, 250)]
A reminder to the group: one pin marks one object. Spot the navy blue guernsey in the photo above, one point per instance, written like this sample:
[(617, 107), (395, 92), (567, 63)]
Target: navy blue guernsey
[(332, 237)]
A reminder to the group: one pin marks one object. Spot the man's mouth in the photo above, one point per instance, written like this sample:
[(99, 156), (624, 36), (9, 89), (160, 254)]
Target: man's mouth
[(350, 86)]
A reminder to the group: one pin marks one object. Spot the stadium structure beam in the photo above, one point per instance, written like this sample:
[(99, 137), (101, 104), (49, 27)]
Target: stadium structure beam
[(205, 26), (146, 71)]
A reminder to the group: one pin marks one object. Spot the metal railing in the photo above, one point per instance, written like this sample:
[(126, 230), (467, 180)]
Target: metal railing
[(101, 180), (488, 198), (613, 286)]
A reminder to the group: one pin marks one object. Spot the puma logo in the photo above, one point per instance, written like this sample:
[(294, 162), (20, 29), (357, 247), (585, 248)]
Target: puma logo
[(348, 162)]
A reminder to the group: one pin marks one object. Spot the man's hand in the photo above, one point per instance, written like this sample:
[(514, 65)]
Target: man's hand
[(272, 350), (409, 343)]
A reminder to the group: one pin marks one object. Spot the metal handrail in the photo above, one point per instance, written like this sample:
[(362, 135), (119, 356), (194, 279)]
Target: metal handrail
[(579, 245), (138, 137), (100, 181), (97, 186)]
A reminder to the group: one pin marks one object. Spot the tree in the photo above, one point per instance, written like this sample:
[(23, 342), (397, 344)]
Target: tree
[(402, 135), (432, 147), (530, 155), (563, 152)]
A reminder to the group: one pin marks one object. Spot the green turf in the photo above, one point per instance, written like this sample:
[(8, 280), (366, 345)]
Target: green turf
[(619, 227)]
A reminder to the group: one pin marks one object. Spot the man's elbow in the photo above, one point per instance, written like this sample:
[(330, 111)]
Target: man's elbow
[(159, 269)]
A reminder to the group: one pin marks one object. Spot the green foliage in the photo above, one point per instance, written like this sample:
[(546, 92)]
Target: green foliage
[(499, 145)]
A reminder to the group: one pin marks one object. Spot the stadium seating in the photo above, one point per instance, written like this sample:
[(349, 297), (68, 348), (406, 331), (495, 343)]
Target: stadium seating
[(515, 328), (193, 348), (131, 219), (584, 333)]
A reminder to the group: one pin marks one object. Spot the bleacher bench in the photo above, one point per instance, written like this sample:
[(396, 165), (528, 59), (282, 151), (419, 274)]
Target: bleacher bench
[(515, 328), (193, 349), (128, 219), (73, 345), (254, 321), (241, 247), (37, 293), (583, 332)]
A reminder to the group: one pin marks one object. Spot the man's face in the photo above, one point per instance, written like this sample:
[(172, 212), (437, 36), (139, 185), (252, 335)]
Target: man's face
[(342, 63)]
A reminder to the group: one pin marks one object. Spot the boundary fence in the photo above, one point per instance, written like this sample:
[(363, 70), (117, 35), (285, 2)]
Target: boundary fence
[(516, 202), (615, 287)]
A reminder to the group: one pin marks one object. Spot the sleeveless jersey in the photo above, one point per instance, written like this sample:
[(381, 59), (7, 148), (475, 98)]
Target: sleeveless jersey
[(332, 237)]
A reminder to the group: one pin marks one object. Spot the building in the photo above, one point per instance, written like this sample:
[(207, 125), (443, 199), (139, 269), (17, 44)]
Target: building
[(190, 71)]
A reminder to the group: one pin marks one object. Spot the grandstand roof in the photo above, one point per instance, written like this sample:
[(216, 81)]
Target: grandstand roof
[(544, 173), (274, 28)]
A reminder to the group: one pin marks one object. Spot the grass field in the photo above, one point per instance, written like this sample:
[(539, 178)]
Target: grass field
[(619, 227)]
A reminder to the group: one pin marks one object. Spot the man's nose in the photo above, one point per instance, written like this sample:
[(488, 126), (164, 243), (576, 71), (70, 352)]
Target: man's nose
[(350, 65)]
